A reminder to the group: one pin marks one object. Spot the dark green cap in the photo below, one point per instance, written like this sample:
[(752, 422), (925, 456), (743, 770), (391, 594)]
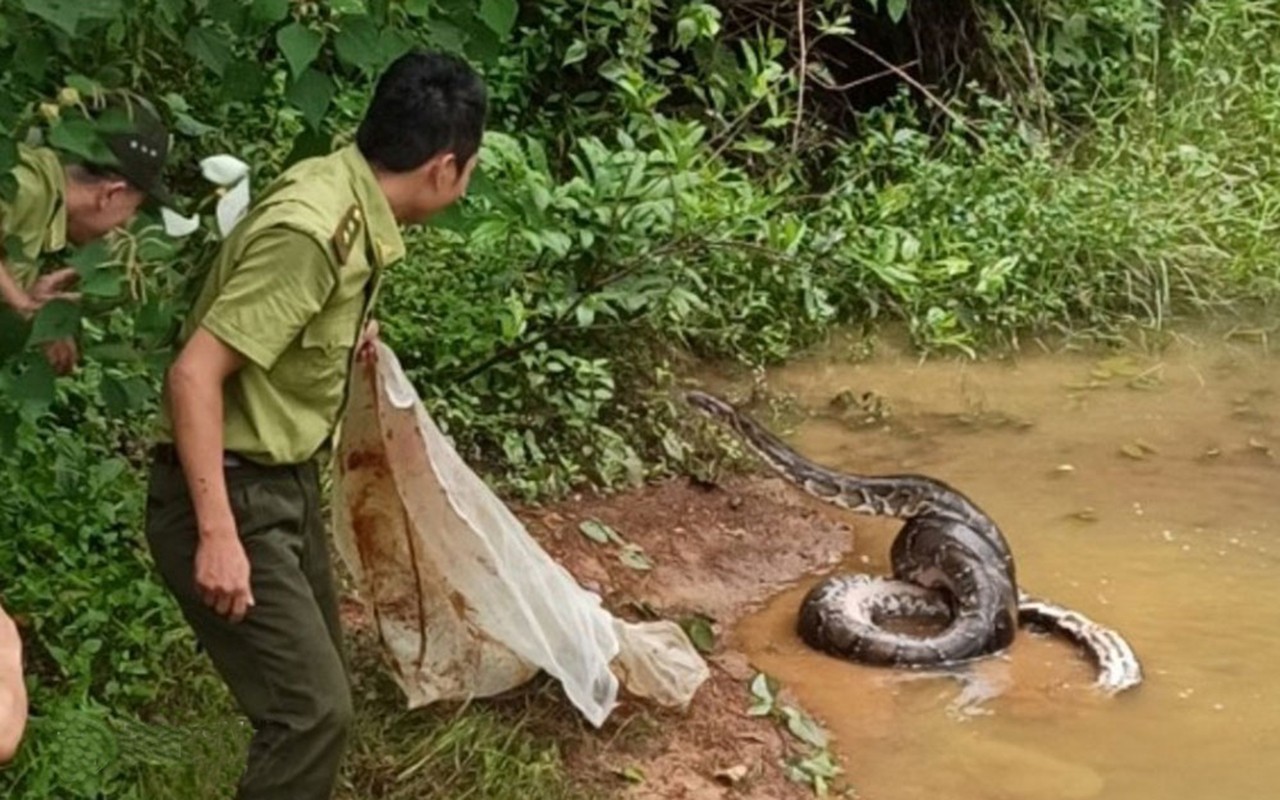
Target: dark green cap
[(138, 141)]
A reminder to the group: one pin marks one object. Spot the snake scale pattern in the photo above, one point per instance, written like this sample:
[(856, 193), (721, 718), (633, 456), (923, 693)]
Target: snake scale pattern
[(950, 563)]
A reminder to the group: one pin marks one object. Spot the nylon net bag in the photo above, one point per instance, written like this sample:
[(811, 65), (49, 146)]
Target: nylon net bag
[(464, 600)]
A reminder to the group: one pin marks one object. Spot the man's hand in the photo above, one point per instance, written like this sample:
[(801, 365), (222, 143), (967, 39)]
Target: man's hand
[(366, 351), (53, 286), (62, 355), (222, 574)]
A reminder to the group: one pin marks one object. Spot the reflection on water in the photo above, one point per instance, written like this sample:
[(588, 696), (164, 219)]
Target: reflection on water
[(1139, 489)]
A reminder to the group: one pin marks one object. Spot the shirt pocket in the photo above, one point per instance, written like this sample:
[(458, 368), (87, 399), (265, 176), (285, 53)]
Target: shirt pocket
[(333, 330), (316, 366)]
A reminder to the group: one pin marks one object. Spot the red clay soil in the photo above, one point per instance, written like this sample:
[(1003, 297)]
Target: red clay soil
[(720, 552), (716, 551)]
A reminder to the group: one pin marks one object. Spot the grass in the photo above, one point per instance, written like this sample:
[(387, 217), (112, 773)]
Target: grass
[(504, 749), (499, 749)]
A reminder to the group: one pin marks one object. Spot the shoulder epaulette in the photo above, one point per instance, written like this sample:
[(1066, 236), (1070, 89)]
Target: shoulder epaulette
[(348, 230)]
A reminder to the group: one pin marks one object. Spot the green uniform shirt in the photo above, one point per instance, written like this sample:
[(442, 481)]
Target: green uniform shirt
[(35, 222), (290, 290)]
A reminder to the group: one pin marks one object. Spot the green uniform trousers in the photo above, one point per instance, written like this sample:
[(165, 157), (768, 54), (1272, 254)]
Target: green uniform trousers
[(284, 662)]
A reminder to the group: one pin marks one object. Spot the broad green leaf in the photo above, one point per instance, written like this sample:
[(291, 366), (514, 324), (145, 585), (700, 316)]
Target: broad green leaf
[(445, 36), (32, 57), (233, 13), (311, 93), (35, 387), (358, 43), (300, 46), (190, 126), (763, 693), (14, 331), (804, 728), (58, 319), (698, 629), (110, 470), (88, 258), (13, 251), (897, 9), (633, 556), (686, 31), (483, 45), (122, 395), (154, 318), (269, 11), (597, 531), (67, 14), (499, 15), (309, 143), (418, 8), (576, 52), (452, 218), (394, 43), (114, 395), (210, 48), (102, 283), (78, 137)]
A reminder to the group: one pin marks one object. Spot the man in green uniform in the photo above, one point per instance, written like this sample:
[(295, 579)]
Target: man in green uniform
[(77, 203), (234, 512)]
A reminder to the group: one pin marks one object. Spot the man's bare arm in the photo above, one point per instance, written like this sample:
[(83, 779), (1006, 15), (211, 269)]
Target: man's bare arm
[(195, 398), (15, 296)]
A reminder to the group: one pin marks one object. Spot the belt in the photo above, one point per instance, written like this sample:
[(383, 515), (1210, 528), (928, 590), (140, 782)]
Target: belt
[(167, 454)]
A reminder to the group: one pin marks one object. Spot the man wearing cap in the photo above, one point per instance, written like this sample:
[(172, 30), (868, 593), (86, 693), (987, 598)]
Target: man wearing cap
[(234, 515), (77, 202)]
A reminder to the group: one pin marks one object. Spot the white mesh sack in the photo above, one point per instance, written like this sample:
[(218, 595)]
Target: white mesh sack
[(464, 600)]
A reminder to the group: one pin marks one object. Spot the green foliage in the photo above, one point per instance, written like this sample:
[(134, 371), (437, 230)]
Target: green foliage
[(634, 246), (1075, 60)]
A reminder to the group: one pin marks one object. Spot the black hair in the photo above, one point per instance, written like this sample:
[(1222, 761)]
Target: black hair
[(425, 104)]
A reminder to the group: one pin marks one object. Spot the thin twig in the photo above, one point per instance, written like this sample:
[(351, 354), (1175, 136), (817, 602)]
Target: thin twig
[(1037, 88), (804, 77), (933, 98), (843, 87)]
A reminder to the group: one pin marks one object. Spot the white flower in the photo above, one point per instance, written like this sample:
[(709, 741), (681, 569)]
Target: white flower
[(224, 170), (232, 175), (179, 226), (232, 206)]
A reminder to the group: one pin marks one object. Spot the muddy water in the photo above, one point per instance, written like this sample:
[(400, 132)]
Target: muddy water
[(1139, 489)]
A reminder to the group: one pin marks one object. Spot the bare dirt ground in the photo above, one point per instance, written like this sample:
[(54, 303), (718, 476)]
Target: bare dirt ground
[(719, 552)]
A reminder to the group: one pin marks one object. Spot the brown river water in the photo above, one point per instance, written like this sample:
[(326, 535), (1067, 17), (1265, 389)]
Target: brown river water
[(1140, 488)]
